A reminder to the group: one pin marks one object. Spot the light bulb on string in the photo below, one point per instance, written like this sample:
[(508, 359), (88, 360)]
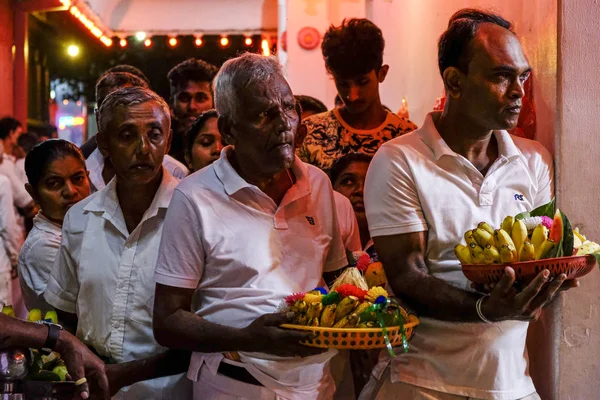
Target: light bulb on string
[(123, 42), (224, 41), (172, 41), (147, 42)]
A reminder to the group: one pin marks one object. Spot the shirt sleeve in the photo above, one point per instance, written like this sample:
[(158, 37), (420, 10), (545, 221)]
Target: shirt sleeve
[(35, 267), (22, 199), (336, 255), (545, 178), (391, 199), (63, 284), (9, 229), (181, 255)]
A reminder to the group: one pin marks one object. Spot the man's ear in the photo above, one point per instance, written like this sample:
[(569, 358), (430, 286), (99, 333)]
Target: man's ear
[(453, 81), (225, 130), (383, 71)]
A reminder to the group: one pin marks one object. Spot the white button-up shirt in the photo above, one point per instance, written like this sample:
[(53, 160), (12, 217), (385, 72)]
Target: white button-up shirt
[(95, 165), (416, 183), (244, 254), (36, 260), (105, 275)]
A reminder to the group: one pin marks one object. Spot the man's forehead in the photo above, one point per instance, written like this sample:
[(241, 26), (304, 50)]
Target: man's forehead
[(195, 86), (494, 45), (148, 110)]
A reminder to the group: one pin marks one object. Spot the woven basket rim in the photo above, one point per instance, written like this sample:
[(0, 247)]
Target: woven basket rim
[(414, 322), (529, 263)]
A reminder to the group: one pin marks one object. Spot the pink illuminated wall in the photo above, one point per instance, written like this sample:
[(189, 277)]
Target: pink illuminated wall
[(6, 69)]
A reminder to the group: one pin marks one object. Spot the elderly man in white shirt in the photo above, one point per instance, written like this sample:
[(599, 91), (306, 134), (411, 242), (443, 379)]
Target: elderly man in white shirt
[(240, 235), (100, 169), (103, 277), (425, 189)]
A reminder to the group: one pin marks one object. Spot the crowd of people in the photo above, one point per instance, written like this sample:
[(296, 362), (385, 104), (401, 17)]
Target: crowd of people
[(168, 241)]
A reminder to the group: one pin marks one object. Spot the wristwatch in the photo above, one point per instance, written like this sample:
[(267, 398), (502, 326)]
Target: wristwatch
[(53, 334)]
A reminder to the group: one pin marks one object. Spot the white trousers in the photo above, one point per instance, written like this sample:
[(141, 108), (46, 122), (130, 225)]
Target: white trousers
[(384, 389)]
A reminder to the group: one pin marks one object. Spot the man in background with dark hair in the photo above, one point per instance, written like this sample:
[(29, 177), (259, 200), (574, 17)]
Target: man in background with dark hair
[(353, 54), (424, 189), (130, 69), (10, 130), (310, 105), (190, 83)]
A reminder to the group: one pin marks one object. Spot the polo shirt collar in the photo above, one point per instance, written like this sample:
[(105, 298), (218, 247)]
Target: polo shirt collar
[(233, 182), (432, 139)]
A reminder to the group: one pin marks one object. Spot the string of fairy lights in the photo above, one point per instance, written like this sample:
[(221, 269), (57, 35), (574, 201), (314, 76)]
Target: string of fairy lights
[(172, 40)]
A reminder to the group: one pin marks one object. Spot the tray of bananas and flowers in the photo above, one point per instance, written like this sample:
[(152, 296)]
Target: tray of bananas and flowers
[(529, 243), (353, 315)]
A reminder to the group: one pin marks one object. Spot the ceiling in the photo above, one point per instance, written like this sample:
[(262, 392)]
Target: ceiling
[(125, 17)]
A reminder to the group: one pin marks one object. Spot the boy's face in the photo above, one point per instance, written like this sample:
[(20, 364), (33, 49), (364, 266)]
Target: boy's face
[(358, 93)]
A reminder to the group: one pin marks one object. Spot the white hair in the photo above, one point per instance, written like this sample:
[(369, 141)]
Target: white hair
[(238, 75), (126, 97)]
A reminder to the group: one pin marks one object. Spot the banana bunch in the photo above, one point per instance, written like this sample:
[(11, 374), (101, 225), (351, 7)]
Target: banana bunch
[(345, 314), (511, 243)]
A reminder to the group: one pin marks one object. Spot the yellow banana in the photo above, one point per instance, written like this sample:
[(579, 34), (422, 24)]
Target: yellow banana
[(486, 227), (314, 310), (470, 238), (507, 254), (544, 249), (491, 255), (527, 252), (345, 307), (362, 307), (501, 237), (35, 314), (349, 321), (540, 233), (463, 254), (519, 234), (508, 223), (477, 254), (313, 322), (300, 319), (483, 237), (328, 316), (299, 306), (366, 325)]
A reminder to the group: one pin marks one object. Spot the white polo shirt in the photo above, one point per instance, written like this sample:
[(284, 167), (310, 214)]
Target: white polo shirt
[(244, 254), (417, 183), (36, 260), (105, 275), (95, 165), (348, 224)]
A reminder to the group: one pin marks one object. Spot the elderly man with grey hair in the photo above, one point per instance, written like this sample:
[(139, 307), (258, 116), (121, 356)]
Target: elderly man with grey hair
[(102, 281), (240, 235)]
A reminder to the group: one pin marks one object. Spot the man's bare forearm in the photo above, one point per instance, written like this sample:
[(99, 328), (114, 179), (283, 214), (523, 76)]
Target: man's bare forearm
[(17, 333), (430, 296), (187, 331), (169, 363)]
